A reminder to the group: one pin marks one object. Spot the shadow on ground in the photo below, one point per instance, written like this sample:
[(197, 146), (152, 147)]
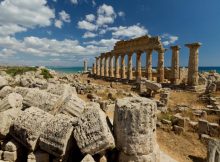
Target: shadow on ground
[(196, 159)]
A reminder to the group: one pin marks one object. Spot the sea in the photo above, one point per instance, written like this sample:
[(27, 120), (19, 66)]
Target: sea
[(80, 69)]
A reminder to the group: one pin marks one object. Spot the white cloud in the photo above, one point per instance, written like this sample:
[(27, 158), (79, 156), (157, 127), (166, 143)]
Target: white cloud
[(90, 17), (89, 35), (109, 43), (130, 31), (10, 29), (86, 25), (168, 39), (106, 15), (121, 14), (58, 23), (64, 16), (74, 1)]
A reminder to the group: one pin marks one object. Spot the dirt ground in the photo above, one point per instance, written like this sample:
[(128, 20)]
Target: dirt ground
[(183, 148)]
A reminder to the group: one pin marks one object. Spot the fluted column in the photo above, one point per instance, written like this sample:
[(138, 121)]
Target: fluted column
[(175, 67), (160, 67), (117, 66), (130, 72), (106, 66), (138, 66), (123, 66), (111, 66), (101, 67), (149, 64), (97, 66), (193, 66)]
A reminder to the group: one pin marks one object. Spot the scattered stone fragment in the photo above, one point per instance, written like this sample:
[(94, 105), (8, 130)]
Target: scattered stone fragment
[(27, 128), (214, 130), (3, 82), (61, 89), (88, 158), (178, 130), (23, 90), (203, 127), (57, 137), (5, 91), (10, 156), (10, 146), (93, 134), (13, 100)]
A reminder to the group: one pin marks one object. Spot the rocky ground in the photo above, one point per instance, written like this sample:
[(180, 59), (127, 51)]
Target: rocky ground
[(49, 116)]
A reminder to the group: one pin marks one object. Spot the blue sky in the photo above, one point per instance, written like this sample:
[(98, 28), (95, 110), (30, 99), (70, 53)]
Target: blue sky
[(65, 32)]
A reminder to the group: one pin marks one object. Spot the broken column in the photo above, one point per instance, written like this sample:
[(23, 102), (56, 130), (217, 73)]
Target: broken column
[(138, 66), (56, 137), (149, 64), (123, 66), (117, 66), (102, 65), (175, 67), (130, 71), (160, 66), (28, 126), (85, 66), (111, 66), (92, 134), (97, 66), (193, 65), (135, 129)]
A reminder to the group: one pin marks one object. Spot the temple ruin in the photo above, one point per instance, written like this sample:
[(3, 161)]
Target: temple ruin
[(105, 68)]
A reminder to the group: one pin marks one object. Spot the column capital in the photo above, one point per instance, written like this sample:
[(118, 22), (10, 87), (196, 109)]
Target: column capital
[(175, 47), (193, 45)]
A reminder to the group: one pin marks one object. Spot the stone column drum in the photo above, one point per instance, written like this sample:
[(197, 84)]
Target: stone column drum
[(175, 67), (106, 66), (117, 66), (149, 64), (193, 66), (130, 72), (160, 67), (97, 66), (111, 66), (123, 66), (135, 130), (138, 66), (85, 66)]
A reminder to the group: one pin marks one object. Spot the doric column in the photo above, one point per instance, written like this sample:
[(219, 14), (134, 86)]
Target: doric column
[(85, 66), (117, 66), (123, 66), (130, 72), (160, 66), (175, 67), (93, 68), (97, 66), (193, 66), (101, 67), (111, 66), (138, 66), (106, 66), (149, 64)]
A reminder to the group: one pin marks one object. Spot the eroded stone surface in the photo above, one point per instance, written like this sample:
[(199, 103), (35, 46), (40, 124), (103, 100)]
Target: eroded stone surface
[(13, 100), (93, 134), (88, 158), (27, 128), (5, 91), (213, 151)]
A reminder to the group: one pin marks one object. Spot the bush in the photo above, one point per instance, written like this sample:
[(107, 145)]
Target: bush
[(46, 74), (13, 71)]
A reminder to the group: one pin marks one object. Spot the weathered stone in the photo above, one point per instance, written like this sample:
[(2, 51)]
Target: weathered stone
[(27, 128), (213, 151), (135, 128), (6, 119), (38, 156), (9, 156), (88, 158), (152, 85), (57, 137), (93, 134), (214, 130), (3, 82), (73, 107), (41, 99), (178, 130), (23, 90), (203, 127), (62, 89), (5, 91), (10, 146), (13, 100)]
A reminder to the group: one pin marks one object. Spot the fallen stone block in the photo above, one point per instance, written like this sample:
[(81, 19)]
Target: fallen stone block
[(152, 85), (135, 126), (10, 156), (178, 129), (23, 90), (92, 133), (13, 100), (213, 151), (214, 130), (10, 146), (5, 91), (57, 136), (203, 127), (62, 89), (88, 158), (26, 129), (38, 156), (3, 82), (6, 119)]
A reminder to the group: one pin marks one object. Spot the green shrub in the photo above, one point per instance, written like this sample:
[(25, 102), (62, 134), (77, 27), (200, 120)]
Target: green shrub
[(46, 74), (13, 71)]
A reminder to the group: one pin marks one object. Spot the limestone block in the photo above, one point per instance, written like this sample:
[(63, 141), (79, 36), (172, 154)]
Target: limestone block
[(9, 156), (27, 128), (152, 157), (41, 99), (73, 107), (6, 119), (178, 129), (135, 125), (88, 158), (93, 134), (213, 151), (3, 82), (152, 85), (10, 146), (214, 130), (60, 89), (57, 136), (22, 90), (5, 91), (38, 156), (13, 100), (203, 127)]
